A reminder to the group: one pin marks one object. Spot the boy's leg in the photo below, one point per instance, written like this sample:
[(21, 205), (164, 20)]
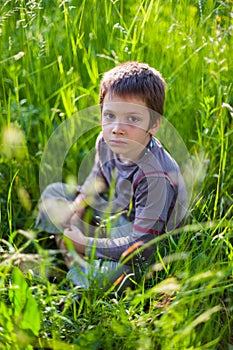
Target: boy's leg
[(54, 195), (103, 275)]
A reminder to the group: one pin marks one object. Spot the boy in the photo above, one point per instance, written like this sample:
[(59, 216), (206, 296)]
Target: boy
[(134, 181)]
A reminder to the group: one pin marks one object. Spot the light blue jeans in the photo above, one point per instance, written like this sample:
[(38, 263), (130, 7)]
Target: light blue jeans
[(97, 273)]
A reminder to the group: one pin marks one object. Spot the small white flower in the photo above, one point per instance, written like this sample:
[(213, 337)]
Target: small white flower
[(19, 55)]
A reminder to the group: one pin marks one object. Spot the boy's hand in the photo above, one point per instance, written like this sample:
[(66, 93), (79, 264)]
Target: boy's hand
[(77, 238), (75, 218)]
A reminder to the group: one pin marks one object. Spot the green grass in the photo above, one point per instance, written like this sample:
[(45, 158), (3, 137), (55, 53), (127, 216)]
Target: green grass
[(52, 57)]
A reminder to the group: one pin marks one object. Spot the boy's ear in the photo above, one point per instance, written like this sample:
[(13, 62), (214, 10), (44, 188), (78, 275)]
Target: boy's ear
[(155, 127)]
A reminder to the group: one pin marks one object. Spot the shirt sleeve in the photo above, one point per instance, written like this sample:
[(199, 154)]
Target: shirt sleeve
[(153, 198)]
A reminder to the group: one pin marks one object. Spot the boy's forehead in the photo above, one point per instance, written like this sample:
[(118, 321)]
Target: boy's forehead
[(126, 108), (127, 104)]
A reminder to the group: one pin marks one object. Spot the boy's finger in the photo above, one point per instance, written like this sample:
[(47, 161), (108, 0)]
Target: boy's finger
[(65, 225)]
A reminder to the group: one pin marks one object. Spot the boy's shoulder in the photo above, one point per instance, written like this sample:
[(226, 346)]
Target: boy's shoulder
[(99, 139), (156, 157), (158, 152)]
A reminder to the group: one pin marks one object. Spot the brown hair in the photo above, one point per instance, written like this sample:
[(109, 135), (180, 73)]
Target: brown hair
[(135, 78)]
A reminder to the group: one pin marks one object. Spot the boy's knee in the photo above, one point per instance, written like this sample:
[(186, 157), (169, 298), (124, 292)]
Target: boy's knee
[(52, 190)]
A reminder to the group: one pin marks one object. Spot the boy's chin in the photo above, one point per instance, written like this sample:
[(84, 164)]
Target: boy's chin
[(126, 157)]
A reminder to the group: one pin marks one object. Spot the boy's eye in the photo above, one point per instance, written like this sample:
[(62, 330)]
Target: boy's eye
[(133, 119), (109, 116)]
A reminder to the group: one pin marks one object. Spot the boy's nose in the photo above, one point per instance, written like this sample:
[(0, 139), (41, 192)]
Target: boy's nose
[(118, 128)]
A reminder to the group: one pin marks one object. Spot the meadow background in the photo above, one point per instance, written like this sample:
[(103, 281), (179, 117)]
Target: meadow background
[(52, 57)]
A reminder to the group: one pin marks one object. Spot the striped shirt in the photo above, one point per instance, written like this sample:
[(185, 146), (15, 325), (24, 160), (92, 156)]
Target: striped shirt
[(148, 196)]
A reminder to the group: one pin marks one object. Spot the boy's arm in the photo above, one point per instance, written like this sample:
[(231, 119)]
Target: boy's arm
[(108, 248), (157, 202), (144, 229), (77, 238)]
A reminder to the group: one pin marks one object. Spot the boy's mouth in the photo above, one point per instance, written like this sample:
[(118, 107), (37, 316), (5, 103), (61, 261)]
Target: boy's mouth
[(117, 142)]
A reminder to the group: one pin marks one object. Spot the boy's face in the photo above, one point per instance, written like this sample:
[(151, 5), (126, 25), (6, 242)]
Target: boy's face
[(125, 125)]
